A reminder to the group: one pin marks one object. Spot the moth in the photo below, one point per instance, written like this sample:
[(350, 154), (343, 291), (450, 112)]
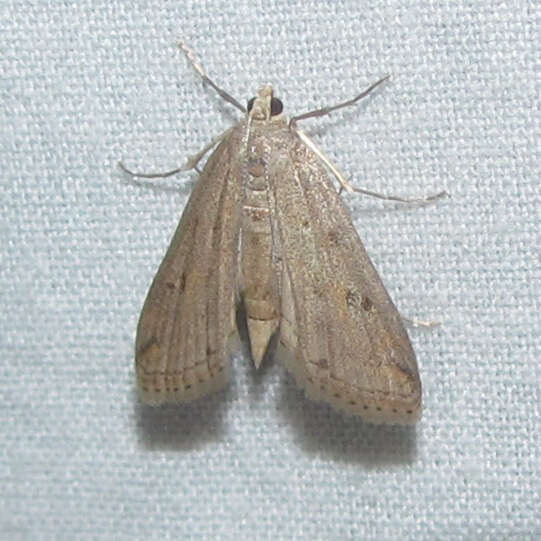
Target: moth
[(266, 230)]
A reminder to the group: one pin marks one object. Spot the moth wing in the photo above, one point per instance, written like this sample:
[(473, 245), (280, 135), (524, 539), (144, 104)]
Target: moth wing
[(188, 316), (340, 334)]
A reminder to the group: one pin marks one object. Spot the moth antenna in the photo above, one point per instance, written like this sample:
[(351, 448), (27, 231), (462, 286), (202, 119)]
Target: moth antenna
[(329, 109), (190, 55)]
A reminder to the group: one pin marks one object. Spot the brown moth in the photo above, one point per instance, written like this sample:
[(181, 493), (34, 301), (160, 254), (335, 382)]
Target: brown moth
[(265, 228)]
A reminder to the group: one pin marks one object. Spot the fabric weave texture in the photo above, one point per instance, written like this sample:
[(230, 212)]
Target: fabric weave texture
[(87, 83)]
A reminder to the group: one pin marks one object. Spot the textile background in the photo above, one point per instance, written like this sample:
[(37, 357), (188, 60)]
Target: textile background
[(87, 83)]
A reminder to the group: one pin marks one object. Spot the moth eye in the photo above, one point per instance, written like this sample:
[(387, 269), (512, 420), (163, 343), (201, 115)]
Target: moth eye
[(250, 104), (276, 106)]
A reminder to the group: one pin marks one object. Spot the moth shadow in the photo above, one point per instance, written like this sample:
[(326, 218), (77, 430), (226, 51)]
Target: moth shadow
[(331, 434), (181, 427)]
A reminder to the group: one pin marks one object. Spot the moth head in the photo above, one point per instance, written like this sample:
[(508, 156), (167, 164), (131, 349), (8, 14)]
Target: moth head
[(265, 106)]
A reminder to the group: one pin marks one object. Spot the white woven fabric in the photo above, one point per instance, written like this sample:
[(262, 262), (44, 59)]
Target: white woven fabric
[(89, 82)]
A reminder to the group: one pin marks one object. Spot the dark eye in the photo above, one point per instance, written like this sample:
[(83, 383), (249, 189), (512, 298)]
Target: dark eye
[(250, 104), (276, 106)]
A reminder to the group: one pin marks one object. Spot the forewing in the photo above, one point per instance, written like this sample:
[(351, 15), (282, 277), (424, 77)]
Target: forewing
[(341, 335), (188, 316)]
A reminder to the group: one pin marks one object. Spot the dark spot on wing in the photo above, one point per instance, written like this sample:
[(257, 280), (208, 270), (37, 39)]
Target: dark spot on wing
[(151, 342), (353, 298), (334, 237), (322, 363), (182, 285), (367, 304)]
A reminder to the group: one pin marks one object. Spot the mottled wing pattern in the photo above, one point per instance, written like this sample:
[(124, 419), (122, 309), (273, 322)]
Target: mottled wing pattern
[(340, 335), (189, 313)]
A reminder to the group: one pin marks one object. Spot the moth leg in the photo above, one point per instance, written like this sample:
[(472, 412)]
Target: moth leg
[(191, 162), (327, 110), (424, 199), (150, 175), (190, 55), (346, 185), (414, 322)]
